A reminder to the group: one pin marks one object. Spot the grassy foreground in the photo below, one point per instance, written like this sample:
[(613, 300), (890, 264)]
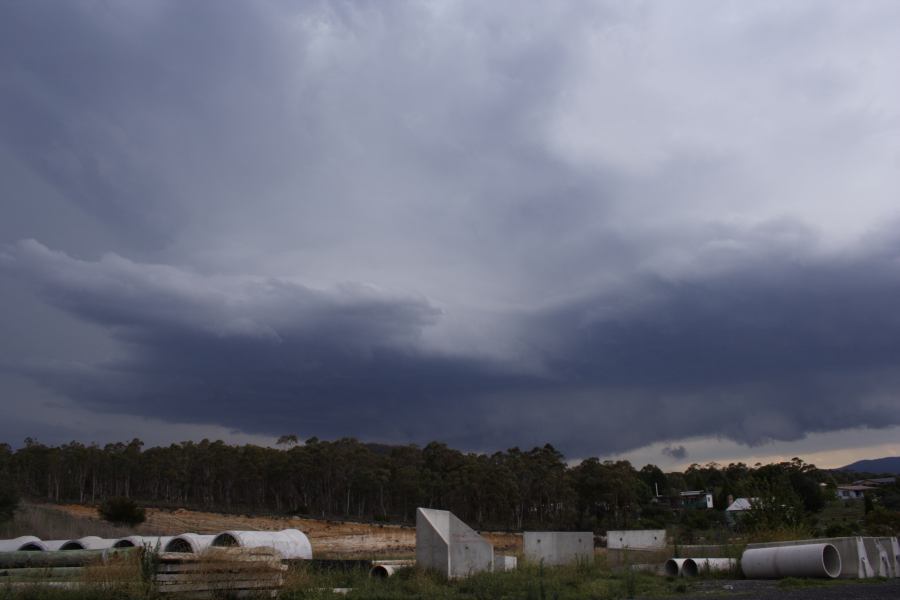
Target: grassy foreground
[(527, 583)]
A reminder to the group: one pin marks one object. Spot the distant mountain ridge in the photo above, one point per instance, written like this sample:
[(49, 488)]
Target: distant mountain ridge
[(888, 464)]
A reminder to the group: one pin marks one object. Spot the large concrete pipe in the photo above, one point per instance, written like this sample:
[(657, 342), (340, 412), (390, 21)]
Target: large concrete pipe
[(189, 543), (153, 542), (90, 542), (684, 567), (809, 560), (291, 543), (713, 565), (20, 543)]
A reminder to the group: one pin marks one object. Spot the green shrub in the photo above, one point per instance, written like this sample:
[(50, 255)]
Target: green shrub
[(122, 511), (9, 501)]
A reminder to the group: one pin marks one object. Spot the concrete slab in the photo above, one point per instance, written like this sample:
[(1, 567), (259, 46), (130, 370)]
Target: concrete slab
[(447, 545), (636, 539), (503, 562), (558, 547)]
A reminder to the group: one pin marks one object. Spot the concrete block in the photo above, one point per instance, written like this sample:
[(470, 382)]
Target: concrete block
[(503, 562), (447, 545), (637, 539), (559, 547)]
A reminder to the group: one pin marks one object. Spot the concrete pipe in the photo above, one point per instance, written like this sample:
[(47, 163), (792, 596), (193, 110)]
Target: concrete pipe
[(291, 543), (383, 571), (154, 543), (808, 560), (190, 543), (90, 542), (713, 565), (20, 543), (43, 546), (684, 567)]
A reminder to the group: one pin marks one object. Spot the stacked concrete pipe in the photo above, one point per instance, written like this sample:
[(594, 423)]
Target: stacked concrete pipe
[(90, 542), (43, 545), (25, 542), (143, 541), (808, 560), (291, 543)]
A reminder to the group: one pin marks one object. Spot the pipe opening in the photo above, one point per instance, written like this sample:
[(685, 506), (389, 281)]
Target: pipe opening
[(124, 544), (179, 545), (31, 547), (379, 572), (689, 568), (225, 539), (671, 568), (73, 545), (831, 560)]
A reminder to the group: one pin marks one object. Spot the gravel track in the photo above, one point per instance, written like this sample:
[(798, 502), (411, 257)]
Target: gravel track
[(769, 590)]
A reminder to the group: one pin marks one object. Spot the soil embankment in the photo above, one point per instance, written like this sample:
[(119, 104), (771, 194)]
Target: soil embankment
[(329, 538)]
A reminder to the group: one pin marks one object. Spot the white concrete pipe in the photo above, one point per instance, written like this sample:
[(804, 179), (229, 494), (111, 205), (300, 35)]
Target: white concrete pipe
[(809, 560), (153, 542), (90, 542), (387, 568), (44, 545), (190, 543), (684, 567), (713, 565), (291, 543), (20, 543), (384, 571)]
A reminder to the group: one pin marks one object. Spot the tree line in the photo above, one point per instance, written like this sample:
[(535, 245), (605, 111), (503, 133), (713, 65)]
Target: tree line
[(348, 479)]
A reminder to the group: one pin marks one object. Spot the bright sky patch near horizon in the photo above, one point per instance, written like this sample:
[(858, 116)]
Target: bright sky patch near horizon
[(665, 231)]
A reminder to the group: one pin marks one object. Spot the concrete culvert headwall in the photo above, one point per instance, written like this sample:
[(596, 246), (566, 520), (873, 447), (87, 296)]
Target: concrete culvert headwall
[(189, 543), (809, 560), (291, 543)]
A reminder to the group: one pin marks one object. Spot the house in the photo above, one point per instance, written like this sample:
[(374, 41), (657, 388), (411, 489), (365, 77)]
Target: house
[(736, 509), (853, 492), (695, 499)]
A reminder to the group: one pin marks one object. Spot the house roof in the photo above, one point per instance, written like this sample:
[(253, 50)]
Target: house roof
[(876, 481), (740, 504), (855, 488)]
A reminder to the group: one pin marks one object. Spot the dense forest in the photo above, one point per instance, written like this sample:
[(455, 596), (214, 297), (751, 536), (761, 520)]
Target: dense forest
[(345, 479)]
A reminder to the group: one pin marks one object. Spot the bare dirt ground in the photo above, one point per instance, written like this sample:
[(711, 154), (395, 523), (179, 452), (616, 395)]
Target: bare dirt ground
[(336, 539)]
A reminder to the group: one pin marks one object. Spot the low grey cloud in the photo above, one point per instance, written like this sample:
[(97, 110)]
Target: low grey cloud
[(602, 225), (676, 452)]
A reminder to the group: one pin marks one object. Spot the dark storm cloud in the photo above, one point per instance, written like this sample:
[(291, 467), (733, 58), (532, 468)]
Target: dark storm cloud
[(600, 225), (758, 352)]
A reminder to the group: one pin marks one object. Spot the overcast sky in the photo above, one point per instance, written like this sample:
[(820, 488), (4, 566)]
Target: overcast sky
[(658, 230)]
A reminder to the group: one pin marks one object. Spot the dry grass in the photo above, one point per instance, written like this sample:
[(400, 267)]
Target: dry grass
[(49, 523)]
